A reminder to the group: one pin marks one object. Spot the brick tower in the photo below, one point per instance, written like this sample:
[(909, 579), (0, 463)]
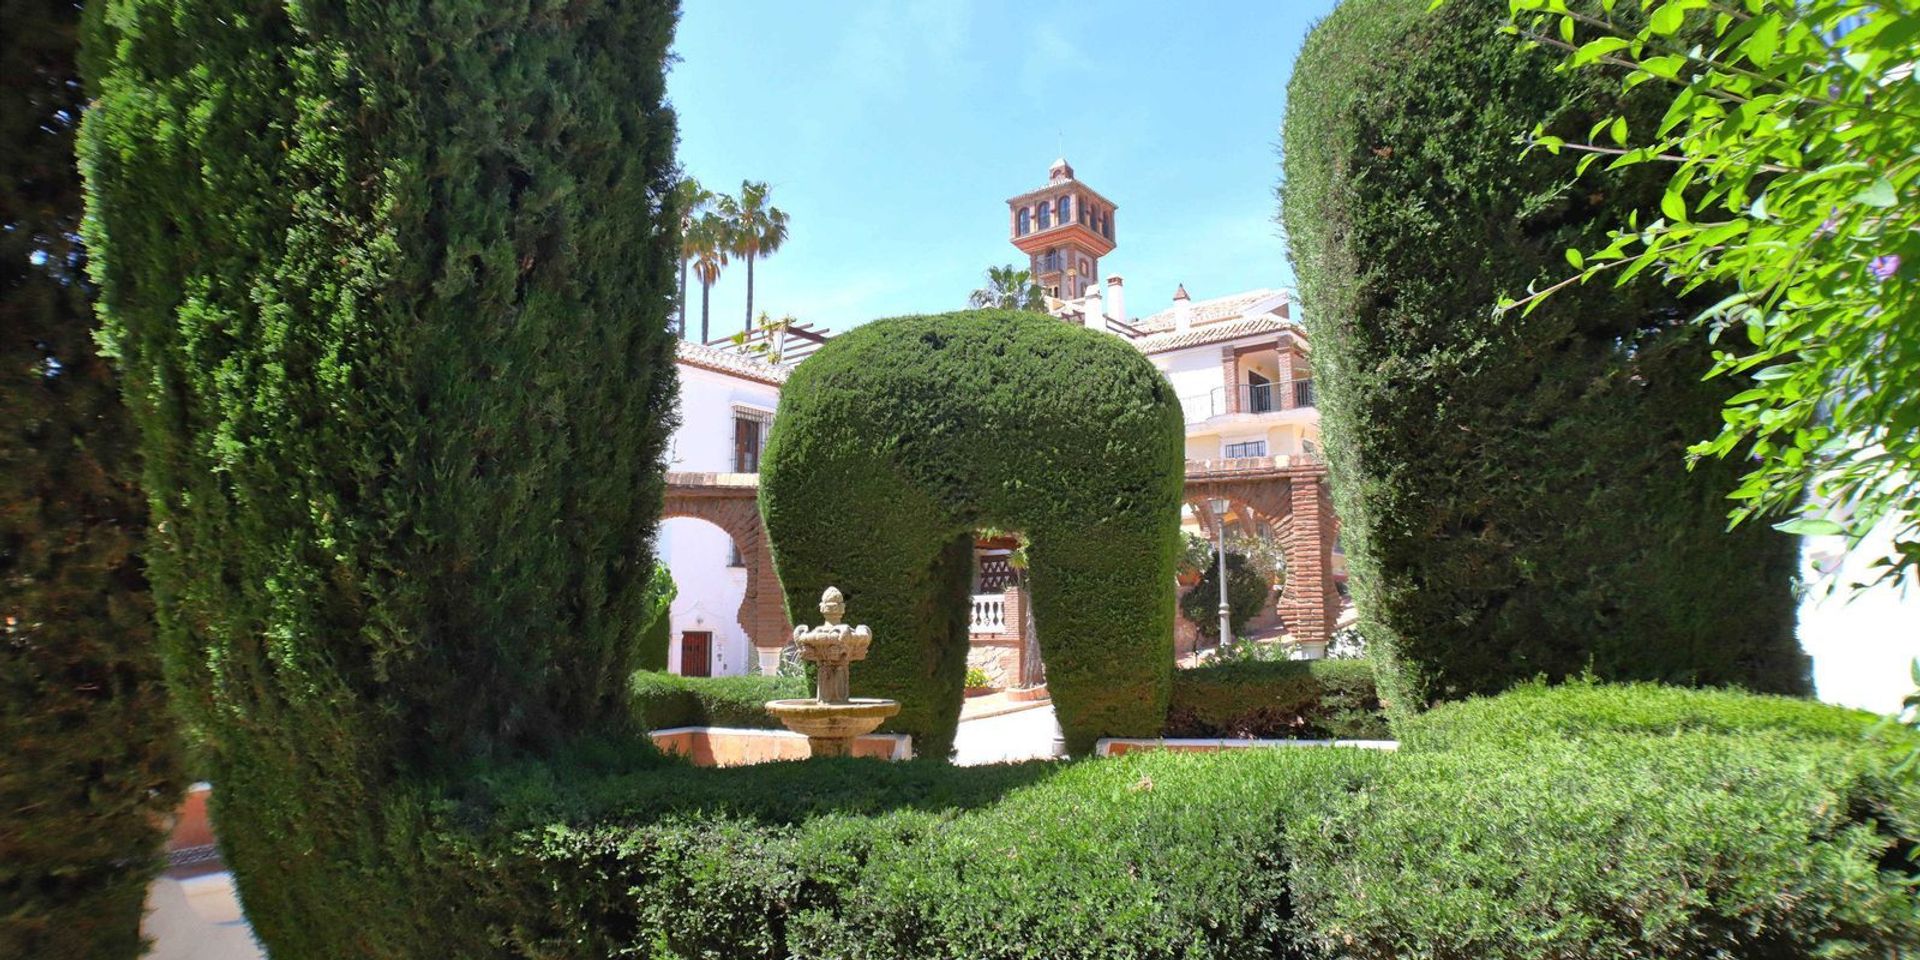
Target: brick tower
[(1064, 228)]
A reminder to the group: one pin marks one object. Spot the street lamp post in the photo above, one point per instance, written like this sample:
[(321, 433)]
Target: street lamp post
[(1220, 539)]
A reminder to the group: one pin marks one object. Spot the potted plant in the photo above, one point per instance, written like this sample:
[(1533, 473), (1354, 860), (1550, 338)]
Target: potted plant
[(978, 683)]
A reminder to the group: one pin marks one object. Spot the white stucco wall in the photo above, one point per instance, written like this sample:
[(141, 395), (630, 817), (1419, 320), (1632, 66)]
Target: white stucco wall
[(1195, 374), (696, 551), (1862, 643)]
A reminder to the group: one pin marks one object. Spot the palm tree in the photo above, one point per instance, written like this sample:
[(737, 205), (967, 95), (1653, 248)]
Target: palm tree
[(758, 229), (1009, 289), (712, 237), (693, 201)]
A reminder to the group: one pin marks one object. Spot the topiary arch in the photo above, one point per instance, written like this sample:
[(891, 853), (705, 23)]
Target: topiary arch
[(898, 440)]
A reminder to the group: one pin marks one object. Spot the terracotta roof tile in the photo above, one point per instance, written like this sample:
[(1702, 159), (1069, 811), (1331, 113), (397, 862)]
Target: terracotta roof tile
[(1211, 333), (1207, 311), (731, 362)]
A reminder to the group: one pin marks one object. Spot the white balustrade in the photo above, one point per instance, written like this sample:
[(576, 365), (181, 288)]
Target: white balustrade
[(989, 613)]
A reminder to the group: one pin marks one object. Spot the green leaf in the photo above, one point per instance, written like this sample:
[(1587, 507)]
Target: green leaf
[(1673, 205), (1764, 42), (1595, 49), (1666, 68), (1878, 194), (1809, 527), (1573, 256), (1667, 19), (1618, 130)]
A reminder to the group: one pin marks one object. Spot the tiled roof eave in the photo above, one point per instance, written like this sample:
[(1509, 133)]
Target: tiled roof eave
[(1049, 188), (727, 363), (1214, 333)]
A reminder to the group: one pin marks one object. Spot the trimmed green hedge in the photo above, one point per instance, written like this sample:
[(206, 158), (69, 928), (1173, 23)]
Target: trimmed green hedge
[(1513, 489), (899, 439), (1695, 844), (663, 700), (1537, 711), (391, 286), (1305, 699), (89, 768)]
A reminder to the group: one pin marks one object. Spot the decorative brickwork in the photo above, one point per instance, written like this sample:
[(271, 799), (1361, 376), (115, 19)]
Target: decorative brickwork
[(730, 501), (1230, 375), (1289, 494)]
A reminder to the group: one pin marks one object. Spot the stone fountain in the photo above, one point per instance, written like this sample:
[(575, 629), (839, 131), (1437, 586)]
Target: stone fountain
[(832, 719)]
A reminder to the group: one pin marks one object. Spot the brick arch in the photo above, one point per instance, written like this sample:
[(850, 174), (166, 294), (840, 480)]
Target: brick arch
[(730, 501), (1290, 497)]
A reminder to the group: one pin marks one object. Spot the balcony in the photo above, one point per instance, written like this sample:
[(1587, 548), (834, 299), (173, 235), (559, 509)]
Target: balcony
[(1261, 398), (989, 613)]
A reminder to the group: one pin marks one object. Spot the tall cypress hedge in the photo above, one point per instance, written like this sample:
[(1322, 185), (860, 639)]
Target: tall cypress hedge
[(390, 283), (898, 440), (88, 770), (1512, 489)]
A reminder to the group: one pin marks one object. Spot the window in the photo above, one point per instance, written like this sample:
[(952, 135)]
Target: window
[(1026, 222), (1249, 448), (1106, 225), (734, 559), (749, 438), (1046, 215), (1080, 212), (1063, 210)]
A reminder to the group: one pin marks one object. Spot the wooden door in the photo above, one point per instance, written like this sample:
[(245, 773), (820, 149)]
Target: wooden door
[(696, 653)]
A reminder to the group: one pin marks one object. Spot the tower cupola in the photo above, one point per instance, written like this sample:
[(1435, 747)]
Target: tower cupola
[(1064, 228)]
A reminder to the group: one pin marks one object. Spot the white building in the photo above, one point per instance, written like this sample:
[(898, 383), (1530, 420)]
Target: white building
[(726, 405)]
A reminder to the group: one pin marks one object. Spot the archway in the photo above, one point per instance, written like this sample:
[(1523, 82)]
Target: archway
[(729, 501), (1290, 497), (897, 441)]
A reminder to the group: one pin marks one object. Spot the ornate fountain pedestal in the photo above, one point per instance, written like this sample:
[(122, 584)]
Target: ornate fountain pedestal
[(832, 719)]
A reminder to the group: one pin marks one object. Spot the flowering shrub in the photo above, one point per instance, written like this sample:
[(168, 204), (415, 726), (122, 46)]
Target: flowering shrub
[(1790, 141)]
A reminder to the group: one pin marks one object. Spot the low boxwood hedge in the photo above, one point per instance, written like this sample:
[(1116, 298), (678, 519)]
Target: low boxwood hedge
[(1311, 699), (663, 700), (1631, 821), (1582, 708), (1609, 830)]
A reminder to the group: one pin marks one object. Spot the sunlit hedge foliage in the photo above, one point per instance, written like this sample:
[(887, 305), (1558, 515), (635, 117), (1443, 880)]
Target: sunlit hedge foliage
[(897, 440), (1513, 489)]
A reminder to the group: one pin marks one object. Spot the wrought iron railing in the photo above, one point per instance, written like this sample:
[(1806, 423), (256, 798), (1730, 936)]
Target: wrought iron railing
[(1261, 397)]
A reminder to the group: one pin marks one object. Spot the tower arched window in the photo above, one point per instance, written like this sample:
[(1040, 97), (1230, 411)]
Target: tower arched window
[(1026, 222), (1046, 215), (1063, 209)]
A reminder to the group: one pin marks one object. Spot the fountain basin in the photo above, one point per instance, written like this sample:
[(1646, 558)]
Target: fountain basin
[(832, 721)]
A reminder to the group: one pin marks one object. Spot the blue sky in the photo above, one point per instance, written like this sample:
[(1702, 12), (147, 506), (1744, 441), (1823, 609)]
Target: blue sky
[(894, 132)]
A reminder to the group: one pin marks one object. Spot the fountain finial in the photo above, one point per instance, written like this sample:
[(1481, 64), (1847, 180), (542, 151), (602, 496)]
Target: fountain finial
[(833, 606), (832, 718)]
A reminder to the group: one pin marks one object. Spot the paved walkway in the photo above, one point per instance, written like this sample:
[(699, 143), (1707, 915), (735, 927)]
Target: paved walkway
[(1006, 738), (197, 918)]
